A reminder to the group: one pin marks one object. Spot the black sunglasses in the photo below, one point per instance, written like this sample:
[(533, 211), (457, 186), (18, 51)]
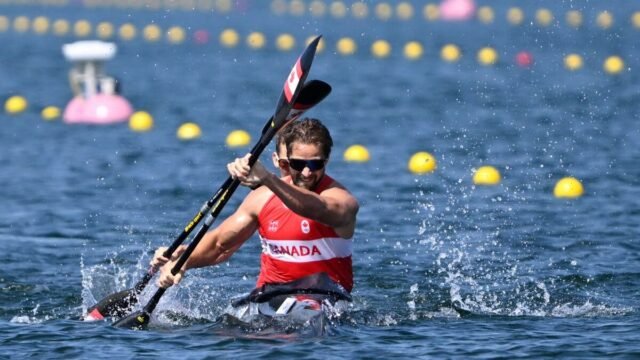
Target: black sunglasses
[(300, 164)]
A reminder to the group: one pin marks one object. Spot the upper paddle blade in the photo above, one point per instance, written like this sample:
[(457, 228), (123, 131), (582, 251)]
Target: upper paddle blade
[(312, 93)]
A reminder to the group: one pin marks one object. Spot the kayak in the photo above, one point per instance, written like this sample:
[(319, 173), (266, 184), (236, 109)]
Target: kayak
[(309, 313), (309, 304)]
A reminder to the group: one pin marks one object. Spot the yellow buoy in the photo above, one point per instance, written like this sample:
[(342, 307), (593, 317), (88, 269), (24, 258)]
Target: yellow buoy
[(450, 53), (15, 104), (152, 33), (61, 27), (413, 50), (421, 163), (486, 175), (431, 12), (82, 28), (381, 49), (573, 62), (40, 25), (356, 153), (50, 113), (613, 65), (338, 9), (296, 8), (285, 42), (224, 6), (279, 7), (346, 46), (140, 121), (515, 16), (105, 30), (4, 23), (256, 40), (127, 32), (359, 10), (317, 8), (176, 35), (21, 24), (568, 187), (189, 131), (383, 11), (486, 15), (604, 20), (229, 38), (574, 18), (544, 17), (487, 56), (238, 138), (635, 19), (404, 10)]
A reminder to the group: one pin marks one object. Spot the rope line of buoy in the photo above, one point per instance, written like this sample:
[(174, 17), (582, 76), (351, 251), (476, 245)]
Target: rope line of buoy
[(430, 12), (230, 38), (361, 10), (420, 163)]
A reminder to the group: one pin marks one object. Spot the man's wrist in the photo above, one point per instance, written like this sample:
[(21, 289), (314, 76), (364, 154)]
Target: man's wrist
[(267, 179)]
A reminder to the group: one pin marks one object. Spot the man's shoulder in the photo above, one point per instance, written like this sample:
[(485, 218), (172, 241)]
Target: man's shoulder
[(335, 189), (329, 182)]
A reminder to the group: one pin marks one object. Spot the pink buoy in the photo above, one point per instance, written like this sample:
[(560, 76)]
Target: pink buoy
[(201, 37), (99, 109), (97, 99), (457, 10), (524, 59)]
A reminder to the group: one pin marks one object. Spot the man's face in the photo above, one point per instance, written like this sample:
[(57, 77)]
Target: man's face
[(305, 164)]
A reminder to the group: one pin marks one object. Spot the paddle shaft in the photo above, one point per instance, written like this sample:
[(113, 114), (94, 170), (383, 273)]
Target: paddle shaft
[(213, 215), (142, 283)]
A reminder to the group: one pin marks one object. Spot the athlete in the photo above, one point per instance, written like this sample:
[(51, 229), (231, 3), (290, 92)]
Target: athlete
[(305, 221)]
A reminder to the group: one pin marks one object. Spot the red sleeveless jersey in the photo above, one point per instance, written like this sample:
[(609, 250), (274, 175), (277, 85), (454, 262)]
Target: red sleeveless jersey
[(294, 246)]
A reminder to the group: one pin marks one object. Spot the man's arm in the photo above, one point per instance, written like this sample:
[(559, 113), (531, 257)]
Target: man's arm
[(334, 207), (219, 244)]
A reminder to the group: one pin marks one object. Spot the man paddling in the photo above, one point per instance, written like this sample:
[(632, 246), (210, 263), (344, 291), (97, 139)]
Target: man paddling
[(305, 221)]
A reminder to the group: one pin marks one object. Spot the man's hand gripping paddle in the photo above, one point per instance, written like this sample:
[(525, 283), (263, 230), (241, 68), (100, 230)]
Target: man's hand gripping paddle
[(296, 98)]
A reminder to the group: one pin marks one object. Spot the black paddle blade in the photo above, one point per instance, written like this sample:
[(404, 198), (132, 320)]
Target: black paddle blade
[(138, 320), (117, 304), (312, 93)]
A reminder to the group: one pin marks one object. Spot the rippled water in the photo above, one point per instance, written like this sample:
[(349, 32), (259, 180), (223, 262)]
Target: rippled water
[(83, 207)]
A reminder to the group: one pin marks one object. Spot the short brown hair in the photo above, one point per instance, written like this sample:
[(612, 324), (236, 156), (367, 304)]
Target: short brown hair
[(308, 131), (280, 139)]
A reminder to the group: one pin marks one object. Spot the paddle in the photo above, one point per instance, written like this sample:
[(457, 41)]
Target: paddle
[(286, 111), (120, 303)]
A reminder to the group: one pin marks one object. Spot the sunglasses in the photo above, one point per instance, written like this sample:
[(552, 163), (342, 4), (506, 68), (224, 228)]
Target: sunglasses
[(300, 164)]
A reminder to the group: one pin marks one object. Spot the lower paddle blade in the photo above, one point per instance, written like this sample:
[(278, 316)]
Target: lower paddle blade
[(138, 320), (117, 305)]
